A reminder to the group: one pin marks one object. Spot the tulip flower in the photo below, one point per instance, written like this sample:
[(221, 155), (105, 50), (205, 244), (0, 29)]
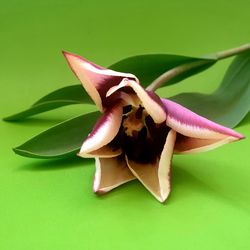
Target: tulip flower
[(138, 131)]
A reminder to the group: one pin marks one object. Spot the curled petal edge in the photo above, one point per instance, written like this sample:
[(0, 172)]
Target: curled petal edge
[(104, 131), (154, 109), (156, 176), (110, 173), (95, 79)]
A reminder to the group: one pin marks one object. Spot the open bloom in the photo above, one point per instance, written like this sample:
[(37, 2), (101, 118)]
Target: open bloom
[(138, 132)]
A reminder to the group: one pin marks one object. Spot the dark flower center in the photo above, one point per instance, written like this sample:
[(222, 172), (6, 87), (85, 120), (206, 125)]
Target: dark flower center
[(140, 138)]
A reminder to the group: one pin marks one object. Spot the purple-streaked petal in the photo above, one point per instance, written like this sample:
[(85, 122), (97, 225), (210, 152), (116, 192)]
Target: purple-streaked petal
[(156, 176), (111, 173), (188, 123), (104, 131), (148, 100), (95, 79)]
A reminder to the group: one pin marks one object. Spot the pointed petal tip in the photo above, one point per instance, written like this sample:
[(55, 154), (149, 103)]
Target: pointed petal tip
[(163, 199), (81, 154), (64, 52), (68, 54), (237, 136), (100, 192), (190, 124), (241, 137)]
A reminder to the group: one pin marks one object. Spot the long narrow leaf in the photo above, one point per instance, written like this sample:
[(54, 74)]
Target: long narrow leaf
[(148, 67), (63, 140), (230, 103), (145, 67), (74, 94)]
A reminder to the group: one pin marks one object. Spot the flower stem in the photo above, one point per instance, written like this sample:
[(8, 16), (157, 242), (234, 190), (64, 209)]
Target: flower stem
[(232, 52), (170, 74)]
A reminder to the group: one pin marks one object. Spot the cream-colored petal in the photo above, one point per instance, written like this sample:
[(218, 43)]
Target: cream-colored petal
[(104, 131), (105, 152), (156, 176), (153, 108), (111, 173), (188, 145)]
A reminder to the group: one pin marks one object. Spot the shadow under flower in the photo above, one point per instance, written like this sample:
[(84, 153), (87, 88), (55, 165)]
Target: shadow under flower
[(195, 184), (186, 182)]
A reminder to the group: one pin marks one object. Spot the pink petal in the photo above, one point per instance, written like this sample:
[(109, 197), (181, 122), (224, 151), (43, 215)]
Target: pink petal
[(199, 133), (104, 131), (111, 173), (95, 79), (149, 100), (156, 176)]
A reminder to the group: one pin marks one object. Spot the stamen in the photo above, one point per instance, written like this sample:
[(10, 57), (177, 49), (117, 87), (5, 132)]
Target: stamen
[(127, 109), (140, 138), (139, 112), (131, 124)]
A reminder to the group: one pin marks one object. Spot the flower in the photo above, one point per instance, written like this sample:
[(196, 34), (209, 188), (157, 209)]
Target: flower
[(138, 132)]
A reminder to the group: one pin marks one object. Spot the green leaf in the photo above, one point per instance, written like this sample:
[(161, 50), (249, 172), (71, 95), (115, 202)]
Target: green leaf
[(146, 67), (230, 103), (63, 140), (74, 94)]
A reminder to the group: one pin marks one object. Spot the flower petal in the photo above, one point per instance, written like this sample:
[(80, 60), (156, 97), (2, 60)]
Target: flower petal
[(95, 79), (149, 100), (156, 176), (196, 132), (111, 173), (103, 152), (188, 145), (104, 131)]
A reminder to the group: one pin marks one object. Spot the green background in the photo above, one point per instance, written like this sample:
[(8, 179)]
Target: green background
[(49, 204)]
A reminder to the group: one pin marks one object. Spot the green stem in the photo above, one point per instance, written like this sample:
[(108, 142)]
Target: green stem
[(170, 74)]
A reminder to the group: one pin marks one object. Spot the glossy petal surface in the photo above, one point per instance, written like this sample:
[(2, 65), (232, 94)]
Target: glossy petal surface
[(104, 131), (196, 133), (156, 176), (111, 173), (95, 79), (148, 100)]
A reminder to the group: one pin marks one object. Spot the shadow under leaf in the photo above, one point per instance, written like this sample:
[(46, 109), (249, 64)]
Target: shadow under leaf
[(56, 164), (39, 121), (245, 121)]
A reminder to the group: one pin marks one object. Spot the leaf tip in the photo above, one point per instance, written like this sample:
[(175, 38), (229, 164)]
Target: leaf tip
[(16, 150), (7, 119), (19, 151)]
